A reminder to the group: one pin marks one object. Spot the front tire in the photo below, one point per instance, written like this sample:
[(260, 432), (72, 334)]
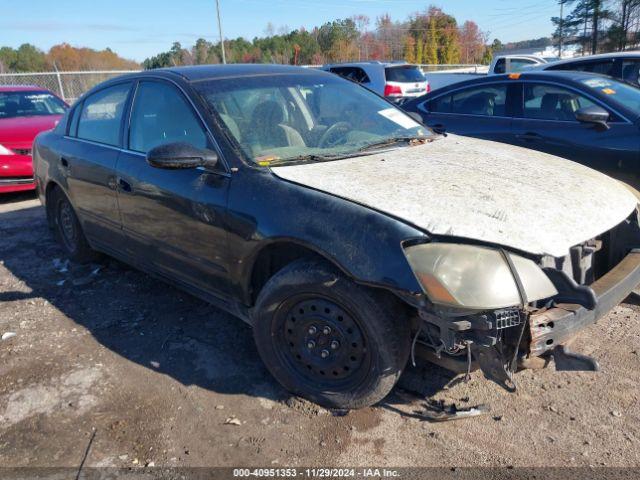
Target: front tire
[(329, 340), (68, 230)]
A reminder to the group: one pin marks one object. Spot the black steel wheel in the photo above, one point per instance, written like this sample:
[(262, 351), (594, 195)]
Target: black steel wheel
[(68, 229), (327, 339), (321, 340), (67, 225)]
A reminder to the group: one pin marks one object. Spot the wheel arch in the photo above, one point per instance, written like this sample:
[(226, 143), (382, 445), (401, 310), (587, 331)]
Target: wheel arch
[(274, 256), (50, 188)]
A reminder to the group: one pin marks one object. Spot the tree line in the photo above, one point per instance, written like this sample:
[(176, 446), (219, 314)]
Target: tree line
[(64, 57), (598, 26), (428, 37)]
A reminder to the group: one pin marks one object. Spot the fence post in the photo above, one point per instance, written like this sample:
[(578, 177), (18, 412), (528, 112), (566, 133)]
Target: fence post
[(59, 82)]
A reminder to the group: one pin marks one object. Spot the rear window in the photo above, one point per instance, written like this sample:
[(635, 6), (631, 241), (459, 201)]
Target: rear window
[(406, 74)]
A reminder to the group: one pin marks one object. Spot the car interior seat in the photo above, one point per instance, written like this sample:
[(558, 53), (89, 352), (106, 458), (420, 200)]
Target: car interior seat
[(479, 104), (268, 129)]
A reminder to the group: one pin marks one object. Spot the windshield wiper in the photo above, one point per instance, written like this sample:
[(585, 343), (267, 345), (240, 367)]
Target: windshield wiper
[(306, 158), (394, 140)]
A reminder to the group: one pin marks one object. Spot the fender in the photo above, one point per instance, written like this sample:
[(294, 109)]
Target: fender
[(365, 244)]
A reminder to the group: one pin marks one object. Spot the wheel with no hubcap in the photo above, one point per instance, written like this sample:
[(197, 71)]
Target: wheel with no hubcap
[(327, 339), (68, 229)]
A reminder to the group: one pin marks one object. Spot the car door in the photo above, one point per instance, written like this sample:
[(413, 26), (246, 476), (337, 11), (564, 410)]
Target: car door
[(546, 122), (480, 111), (88, 158), (173, 220)]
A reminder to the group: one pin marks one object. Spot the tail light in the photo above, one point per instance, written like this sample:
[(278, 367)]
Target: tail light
[(392, 90), (428, 89)]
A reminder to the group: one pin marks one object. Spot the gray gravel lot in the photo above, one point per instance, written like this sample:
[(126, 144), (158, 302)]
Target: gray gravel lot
[(154, 374)]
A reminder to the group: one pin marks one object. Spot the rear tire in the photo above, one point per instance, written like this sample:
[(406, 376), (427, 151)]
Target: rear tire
[(329, 340), (68, 230)]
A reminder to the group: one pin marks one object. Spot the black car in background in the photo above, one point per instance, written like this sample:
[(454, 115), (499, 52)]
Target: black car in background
[(585, 117), (621, 65)]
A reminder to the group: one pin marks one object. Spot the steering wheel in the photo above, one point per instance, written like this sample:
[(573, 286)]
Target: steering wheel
[(334, 134)]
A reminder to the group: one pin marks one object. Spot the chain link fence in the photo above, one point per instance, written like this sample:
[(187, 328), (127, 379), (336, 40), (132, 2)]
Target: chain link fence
[(67, 85), (71, 85)]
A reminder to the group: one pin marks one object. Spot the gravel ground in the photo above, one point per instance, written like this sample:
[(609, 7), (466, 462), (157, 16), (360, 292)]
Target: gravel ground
[(112, 363)]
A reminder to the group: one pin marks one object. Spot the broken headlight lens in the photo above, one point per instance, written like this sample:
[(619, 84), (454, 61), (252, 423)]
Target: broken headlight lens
[(475, 277)]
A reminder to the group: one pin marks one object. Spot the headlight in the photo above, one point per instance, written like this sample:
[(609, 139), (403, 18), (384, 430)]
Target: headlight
[(5, 151), (475, 277)]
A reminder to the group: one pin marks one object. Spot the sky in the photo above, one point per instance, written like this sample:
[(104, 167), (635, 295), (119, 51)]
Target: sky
[(137, 29)]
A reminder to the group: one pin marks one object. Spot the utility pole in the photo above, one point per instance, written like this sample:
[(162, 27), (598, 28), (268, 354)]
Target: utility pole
[(224, 58), (560, 30)]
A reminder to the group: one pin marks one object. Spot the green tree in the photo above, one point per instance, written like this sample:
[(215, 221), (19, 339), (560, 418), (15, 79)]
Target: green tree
[(29, 59), (431, 43), (7, 58)]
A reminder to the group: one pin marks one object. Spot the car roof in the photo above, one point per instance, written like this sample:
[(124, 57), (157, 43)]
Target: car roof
[(516, 55), (21, 88), (600, 56), (196, 73), (374, 63), (566, 76)]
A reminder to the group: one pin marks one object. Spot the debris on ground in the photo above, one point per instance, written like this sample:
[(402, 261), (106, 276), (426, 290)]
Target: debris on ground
[(438, 411), (232, 421), (8, 335), (60, 265)]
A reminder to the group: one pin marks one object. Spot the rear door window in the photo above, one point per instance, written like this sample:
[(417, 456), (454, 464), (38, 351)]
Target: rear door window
[(631, 71), (404, 74), (355, 74), (101, 115), (488, 100), (603, 67), (440, 104)]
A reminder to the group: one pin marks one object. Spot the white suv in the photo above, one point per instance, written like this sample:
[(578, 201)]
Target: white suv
[(395, 81)]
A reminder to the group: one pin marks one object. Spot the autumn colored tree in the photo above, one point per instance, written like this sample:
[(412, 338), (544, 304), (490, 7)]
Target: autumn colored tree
[(68, 58), (472, 43), (410, 49)]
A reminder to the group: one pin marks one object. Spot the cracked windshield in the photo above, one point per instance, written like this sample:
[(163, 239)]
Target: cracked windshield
[(289, 118)]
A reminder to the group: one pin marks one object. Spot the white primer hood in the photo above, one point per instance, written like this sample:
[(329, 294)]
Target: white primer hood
[(481, 190)]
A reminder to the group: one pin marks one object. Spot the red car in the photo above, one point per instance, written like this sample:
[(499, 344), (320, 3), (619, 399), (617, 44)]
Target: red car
[(25, 111)]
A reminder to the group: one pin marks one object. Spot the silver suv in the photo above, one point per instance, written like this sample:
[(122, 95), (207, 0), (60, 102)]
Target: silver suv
[(395, 81)]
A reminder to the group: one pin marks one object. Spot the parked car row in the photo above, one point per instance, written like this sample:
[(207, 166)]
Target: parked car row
[(394, 81), (624, 66), (350, 236)]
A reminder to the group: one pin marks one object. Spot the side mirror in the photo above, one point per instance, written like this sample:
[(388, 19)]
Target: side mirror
[(593, 114), (181, 155)]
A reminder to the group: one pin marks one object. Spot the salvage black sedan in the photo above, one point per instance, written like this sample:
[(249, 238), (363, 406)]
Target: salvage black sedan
[(346, 233), (585, 117)]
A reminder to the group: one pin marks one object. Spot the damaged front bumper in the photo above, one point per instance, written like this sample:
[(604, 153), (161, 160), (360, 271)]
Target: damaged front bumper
[(484, 341), (557, 325)]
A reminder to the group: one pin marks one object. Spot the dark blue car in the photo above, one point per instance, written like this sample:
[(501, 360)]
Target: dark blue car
[(585, 117)]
